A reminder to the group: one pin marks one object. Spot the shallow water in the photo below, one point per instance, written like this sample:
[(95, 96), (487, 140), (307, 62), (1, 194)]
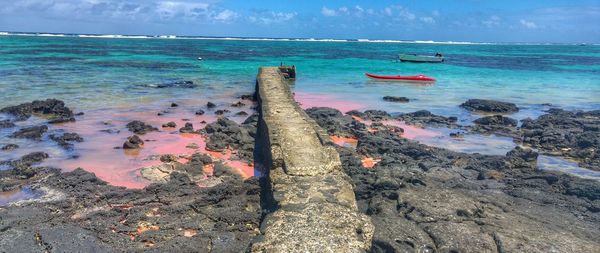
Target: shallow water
[(116, 80), (17, 195)]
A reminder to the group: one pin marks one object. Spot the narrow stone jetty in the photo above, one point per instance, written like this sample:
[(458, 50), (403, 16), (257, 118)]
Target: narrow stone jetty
[(312, 201)]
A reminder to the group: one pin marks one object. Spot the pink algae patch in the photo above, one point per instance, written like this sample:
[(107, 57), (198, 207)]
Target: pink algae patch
[(344, 141), (369, 162), (99, 153), (308, 100), (410, 132)]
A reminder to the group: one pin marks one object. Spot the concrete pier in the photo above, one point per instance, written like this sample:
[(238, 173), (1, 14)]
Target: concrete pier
[(314, 207)]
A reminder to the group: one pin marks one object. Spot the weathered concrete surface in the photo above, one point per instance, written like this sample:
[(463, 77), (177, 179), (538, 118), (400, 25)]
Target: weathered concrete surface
[(314, 207)]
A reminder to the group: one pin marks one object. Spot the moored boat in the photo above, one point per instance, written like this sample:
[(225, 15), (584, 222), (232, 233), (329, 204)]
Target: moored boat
[(417, 78), (438, 58)]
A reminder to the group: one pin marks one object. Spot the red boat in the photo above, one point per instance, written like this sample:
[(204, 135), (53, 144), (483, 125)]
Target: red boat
[(417, 78)]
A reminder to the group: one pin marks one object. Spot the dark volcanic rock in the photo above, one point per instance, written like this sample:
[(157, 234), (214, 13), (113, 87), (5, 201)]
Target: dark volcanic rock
[(242, 113), (170, 124), (396, 99), (188, 128), (221, 112), (227, 134), (139, 127), (9, 147), (174, 105), (6, 124), (250, 97), (572, 134), (375, 115), (34, 132), (238, 104), (176, 84), (496, 124), (211, 105), (489, 106), (200, 112), (335, 122), (133, 142), (54, 109), (426, 118), (66, 140)]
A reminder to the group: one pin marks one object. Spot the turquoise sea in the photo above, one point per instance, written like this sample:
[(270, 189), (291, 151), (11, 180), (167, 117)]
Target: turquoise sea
[(108, 77)]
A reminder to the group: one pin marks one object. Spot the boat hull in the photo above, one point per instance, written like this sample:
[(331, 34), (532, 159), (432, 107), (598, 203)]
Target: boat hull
[(420, 58), (418, 78)]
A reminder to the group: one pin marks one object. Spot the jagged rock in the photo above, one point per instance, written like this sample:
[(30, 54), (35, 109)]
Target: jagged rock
[(396, 99), (139, 127), (174, 105), (34, 132), (498, 120), (200, 112), (52, 108), (489, 106), (6, 124), (66, 140), (211, 105), (238, 104), (188, 128), (426, 118), (133, 142), (170, 124), (9, 147)]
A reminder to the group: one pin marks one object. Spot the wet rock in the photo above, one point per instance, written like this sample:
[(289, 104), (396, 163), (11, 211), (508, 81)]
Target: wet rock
[(34, 132), (193, 146), (396, 99), (211, 105), (9, 147), (6, 124), (168, 158), (250, 97), (139, 127), (170, 124), (566, 133), (175, 84), (110, 131), (238, 104), (221, 112), (374, 115), (188, 128), (335, 123), (133, 142), (200, 112), (174, 105), (426, 118), (457, 135), (498, 120), (489, 106), (227, 134), (66, 140), (54, 109), (242, 113)]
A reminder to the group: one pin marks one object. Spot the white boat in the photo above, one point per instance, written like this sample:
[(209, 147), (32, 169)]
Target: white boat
[(421, 58)]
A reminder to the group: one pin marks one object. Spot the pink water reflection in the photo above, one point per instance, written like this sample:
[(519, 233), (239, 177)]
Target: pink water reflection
[(308, 100)]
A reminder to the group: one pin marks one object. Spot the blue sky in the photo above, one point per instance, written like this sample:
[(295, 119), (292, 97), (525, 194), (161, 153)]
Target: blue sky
[(439, 20)]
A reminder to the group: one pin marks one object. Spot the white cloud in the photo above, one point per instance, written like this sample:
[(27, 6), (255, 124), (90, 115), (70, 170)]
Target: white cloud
[(272, 17), (328, 12), (528, 24), (226, 16), (492, 21), (428, 20)]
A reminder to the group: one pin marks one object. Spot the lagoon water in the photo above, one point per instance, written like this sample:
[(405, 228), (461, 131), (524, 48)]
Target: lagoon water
[(115, 80)]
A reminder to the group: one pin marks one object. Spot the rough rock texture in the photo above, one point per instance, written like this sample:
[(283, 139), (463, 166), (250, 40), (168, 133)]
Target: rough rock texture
[(396, 99), (9, 147), (313, 206), (225, 134), (55, 110), (139, 127), (133, 142), (77, 212), (6, 124), (374, 115), (34, 132), (426, 118), (170, 124), (489, 106), (334, 122), (572, 134), (188, 128), (496, 124), (425, 199), (66, 140)]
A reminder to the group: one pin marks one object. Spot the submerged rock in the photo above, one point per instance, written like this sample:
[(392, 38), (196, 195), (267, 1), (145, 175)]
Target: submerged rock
[(426, 118), (133, 142), (176, 84), (139, 127), (66, 140), (200, 112), (54, 109), (250, 97), (238, 104), (170, 124), (211, 105), (34, 132), (396, 99), (498, 120), (9, 147), (489, 106), (221, 112), (188, 128), (6, 124), (174, 105)]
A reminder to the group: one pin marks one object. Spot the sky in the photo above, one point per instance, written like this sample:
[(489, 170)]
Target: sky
[(558, 21)]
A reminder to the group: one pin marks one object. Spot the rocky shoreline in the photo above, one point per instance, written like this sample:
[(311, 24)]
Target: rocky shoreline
[(420, 198)]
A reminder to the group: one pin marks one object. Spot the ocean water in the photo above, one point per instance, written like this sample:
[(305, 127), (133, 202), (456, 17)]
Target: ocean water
[(116, 79)]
